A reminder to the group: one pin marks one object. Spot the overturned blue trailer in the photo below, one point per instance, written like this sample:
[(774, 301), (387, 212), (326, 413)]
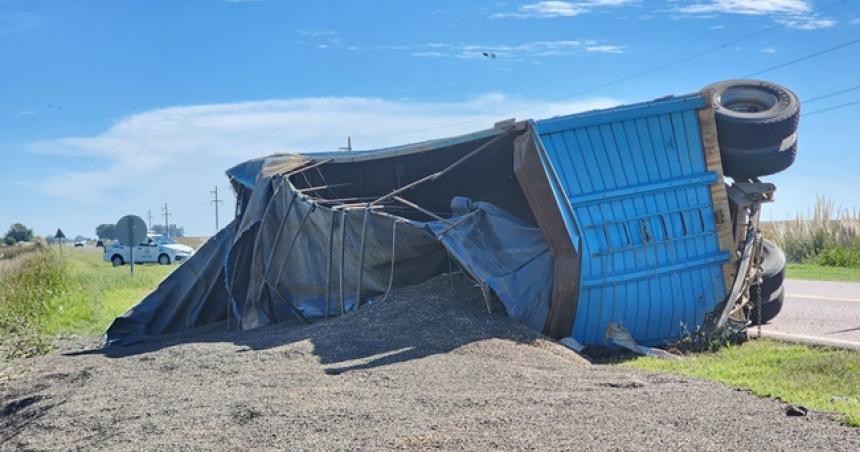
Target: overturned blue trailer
[(618, 217)]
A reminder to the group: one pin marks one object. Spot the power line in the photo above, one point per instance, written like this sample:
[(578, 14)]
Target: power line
[(215, 201), (616, 81), (700, 54), (847, 104), (665, 66), (831, 94), (803, 58), (167, 215)]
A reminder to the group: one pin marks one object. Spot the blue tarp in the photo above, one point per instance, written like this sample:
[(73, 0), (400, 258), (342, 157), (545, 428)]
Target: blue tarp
[(508, 255)]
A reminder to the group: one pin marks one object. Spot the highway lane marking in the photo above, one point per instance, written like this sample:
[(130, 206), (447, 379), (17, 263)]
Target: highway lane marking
[(821, 297)]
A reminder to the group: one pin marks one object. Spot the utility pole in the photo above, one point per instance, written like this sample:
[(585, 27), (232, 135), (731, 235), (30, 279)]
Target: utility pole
[(166, 220), (215, 201), (149, 216), (348, 145)]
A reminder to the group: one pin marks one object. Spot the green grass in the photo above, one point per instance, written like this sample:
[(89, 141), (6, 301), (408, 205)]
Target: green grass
[(99, 292), (818, 378), (822, 273), (46, 295)]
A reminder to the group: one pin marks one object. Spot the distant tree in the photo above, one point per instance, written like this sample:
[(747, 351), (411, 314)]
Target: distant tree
[(19, 233), (106, 231), (175, 231), (9, 241)]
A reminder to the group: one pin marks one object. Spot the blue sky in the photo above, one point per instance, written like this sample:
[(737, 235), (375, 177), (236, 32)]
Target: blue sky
[(115, 107)]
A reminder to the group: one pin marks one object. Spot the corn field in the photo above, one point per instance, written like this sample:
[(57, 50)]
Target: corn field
[(827, 235)]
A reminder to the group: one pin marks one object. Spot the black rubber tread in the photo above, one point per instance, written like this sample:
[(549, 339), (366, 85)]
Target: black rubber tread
[(769, 310), (742, 130), (773, 268), (749, 163)]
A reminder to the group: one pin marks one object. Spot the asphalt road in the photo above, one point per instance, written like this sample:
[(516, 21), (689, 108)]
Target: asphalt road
[(819, 311)]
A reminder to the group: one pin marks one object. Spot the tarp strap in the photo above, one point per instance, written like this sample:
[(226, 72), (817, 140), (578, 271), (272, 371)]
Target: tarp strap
[(322, 177), (278, 235), (462, 220), (444, 171), (273, 288), (343, 217), (298, 233), (420, 209), (393, 244), (286, 257), (358, 283), (329, 263)]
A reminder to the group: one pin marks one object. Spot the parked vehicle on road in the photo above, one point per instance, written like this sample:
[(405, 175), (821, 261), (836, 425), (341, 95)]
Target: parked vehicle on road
[(79, 244), (156, 248)]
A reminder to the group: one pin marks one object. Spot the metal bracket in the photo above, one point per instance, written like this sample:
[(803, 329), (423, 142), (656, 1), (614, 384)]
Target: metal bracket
[(747, 194)]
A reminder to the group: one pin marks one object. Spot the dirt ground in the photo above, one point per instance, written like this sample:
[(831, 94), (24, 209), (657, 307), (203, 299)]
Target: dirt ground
[(413, 372)]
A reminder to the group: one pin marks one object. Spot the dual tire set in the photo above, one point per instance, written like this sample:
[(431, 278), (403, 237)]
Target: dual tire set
[(770, 293), (757, 130), (756, 126)]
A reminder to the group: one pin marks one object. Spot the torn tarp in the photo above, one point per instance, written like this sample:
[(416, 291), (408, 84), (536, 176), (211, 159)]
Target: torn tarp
[(503, 252), (317, 237)]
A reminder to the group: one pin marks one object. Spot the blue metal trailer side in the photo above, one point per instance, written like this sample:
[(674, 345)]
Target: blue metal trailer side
[(634, 186)]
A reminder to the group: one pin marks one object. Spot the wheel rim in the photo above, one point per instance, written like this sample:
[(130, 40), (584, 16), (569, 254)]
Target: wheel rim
[(748, 99)]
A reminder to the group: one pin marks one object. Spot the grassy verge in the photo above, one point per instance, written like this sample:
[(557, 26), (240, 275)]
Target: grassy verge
[(818, 378), (822, 273), (98, 292), (193, 242), (78, 293)]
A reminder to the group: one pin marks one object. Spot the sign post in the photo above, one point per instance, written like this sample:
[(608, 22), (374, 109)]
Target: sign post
[(60, 237), (131, 231)]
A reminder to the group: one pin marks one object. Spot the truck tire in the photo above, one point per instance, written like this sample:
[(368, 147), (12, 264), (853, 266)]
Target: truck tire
[(163, 259), (769, 309), (753, 114), (773, 269), (749, 163), (117, 260)]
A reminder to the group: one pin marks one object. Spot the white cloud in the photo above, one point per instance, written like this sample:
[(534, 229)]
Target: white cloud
[(429, 54), (471, 51), (768, 50), (604, 49), (749, 7), (526, 50), (177, 154), (797, 14), (855, 21), (716, 27), (806, 22), (26, 113), (548, 9)]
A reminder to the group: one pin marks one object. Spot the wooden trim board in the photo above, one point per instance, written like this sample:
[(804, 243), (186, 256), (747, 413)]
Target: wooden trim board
[(719, 197)]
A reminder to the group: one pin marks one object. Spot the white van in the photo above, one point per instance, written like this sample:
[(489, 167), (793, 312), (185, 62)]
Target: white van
[(156, 248)]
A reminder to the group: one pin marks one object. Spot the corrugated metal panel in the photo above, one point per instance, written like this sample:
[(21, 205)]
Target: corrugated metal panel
[(635, 182)]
